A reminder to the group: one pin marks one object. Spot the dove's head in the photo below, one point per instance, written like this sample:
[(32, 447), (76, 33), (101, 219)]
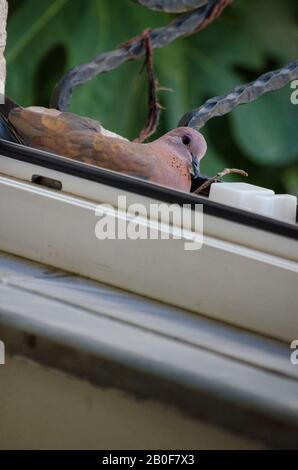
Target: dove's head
[(190, 145)]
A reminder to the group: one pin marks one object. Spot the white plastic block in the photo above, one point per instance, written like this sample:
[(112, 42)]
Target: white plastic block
[(239, 195), (255, 199), (279, 206)]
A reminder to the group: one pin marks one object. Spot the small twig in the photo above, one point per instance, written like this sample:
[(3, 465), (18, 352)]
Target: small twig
[(218, 177), (215, 13), (231, 171), (164, 88), (153, 104)]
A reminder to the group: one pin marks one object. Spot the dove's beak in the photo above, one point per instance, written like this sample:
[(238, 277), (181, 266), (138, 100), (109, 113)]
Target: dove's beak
[(195, 167)]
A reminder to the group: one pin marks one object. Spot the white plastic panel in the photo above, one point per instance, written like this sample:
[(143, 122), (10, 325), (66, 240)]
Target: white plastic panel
[(101, 193), (223, 280), (255, 199)]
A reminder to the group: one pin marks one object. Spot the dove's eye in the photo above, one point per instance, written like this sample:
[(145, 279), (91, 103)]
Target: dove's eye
[(186, 140)]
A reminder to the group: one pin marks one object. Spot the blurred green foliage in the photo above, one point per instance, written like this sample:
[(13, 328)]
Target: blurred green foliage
[(47, 37)]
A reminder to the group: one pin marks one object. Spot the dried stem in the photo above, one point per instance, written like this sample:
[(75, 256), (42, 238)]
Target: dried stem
[(218, 177), (153, 104)]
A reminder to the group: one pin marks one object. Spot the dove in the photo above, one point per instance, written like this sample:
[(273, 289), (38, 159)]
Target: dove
[(169, 161)]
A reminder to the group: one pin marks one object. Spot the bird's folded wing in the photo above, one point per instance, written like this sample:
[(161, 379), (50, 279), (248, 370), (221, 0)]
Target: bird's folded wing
[(81, 139), (46, 119)]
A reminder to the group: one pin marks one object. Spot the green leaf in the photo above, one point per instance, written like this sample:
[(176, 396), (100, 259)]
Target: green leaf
[(290, 178), (267, 129)]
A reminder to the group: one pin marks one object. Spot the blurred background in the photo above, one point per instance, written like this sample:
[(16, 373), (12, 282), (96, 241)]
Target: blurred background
[(47, 37)]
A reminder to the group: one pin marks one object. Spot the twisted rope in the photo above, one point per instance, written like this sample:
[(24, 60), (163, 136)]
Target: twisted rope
[(185, 25), (220, 105), (172, 6)]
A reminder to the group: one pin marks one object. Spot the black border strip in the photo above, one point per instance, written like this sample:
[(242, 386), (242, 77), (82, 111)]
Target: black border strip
[(138, 458), (144, 188)]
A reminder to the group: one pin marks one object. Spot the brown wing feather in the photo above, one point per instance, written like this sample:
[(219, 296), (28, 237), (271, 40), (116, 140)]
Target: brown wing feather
[(80, 139)]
